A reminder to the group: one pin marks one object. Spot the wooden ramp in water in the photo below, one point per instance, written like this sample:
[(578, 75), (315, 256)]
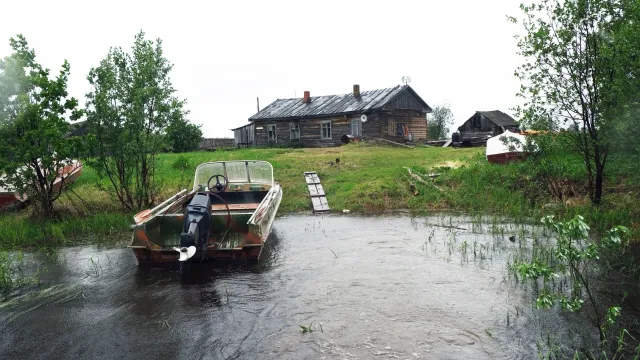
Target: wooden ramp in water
[(318, 197)]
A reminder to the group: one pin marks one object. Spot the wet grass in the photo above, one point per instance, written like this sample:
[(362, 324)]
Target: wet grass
[(485, 189), (12, 275), (20, 232)]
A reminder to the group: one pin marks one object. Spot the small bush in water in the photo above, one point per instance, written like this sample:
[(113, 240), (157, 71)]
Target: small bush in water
[(574, 258)]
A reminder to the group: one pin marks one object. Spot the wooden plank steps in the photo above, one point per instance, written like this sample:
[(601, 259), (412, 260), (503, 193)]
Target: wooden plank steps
[(316, 192)]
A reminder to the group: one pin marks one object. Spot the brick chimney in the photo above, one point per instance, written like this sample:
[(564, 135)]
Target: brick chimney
[(307, 97), (356, 91)]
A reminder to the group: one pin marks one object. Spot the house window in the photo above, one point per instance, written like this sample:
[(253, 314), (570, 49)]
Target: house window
[(271, 133), (325, 130), (356, 127), (294, 130)]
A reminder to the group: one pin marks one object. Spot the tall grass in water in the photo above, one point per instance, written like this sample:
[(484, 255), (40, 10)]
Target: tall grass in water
[(21, 233), (11, 272)]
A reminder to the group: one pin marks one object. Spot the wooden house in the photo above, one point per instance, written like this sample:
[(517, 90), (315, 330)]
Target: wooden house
[(485, 124), (396, 114)]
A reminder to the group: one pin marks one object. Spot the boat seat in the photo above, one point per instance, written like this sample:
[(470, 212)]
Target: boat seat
[(243, 206)]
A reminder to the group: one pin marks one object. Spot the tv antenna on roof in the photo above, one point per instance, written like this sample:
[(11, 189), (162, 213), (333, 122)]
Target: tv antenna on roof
[(406, 80)]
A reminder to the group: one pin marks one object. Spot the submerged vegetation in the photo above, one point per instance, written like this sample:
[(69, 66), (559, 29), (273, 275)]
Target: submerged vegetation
[(12, 272), (565, 274)]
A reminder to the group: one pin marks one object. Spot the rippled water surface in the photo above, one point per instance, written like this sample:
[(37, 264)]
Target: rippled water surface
[(369, 288)]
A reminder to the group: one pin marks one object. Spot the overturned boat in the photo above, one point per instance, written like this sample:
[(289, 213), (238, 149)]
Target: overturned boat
[(507, 147), (228, 214), (10, 198)]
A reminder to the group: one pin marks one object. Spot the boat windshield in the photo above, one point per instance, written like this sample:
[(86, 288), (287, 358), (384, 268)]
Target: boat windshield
[(237, 172)]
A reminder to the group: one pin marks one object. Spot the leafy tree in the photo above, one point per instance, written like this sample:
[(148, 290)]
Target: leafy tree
[(581, 72), (184, 136), (128, 111), (440, 121), (33, 124)]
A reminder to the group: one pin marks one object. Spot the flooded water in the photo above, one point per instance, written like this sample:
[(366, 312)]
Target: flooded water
[(369, 288)]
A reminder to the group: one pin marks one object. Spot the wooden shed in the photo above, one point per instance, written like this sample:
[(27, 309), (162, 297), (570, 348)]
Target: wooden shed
[(485, 124), (397, 114)]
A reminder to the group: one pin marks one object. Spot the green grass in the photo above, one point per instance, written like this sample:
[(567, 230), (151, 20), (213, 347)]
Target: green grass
[(369, 179), (19, 232)]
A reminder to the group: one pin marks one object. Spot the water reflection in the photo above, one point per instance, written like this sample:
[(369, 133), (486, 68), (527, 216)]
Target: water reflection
[(391, 287)]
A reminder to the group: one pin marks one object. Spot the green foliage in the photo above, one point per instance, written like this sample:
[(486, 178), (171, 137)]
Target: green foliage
[(33, 124), (533, 270), (129, 111), (574, 258), (183, 136), (581, 72), (440, 121), (17, 232), (286, 145), (612, 314), (547, 168), (181, 163), (11, 272), (309, 329)]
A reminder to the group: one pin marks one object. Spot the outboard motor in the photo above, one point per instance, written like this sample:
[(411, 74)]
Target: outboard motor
[(196, 226)]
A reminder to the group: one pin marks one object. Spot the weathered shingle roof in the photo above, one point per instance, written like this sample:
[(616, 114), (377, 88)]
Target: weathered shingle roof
[(499, 118), (332, 104)]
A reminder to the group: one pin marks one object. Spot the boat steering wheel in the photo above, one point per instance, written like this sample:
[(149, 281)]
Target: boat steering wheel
[(218, 187)]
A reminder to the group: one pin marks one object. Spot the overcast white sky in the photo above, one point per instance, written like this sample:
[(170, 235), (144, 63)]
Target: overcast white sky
[(225, 54)]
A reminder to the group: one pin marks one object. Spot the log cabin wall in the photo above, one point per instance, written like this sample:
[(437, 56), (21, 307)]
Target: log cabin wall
[(282, 132), (310, 131), (373, 126), (416, 122), (261, 133), (377, 125)]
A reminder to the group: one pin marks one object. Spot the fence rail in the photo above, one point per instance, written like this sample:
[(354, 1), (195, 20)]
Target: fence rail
[(217, 143)]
